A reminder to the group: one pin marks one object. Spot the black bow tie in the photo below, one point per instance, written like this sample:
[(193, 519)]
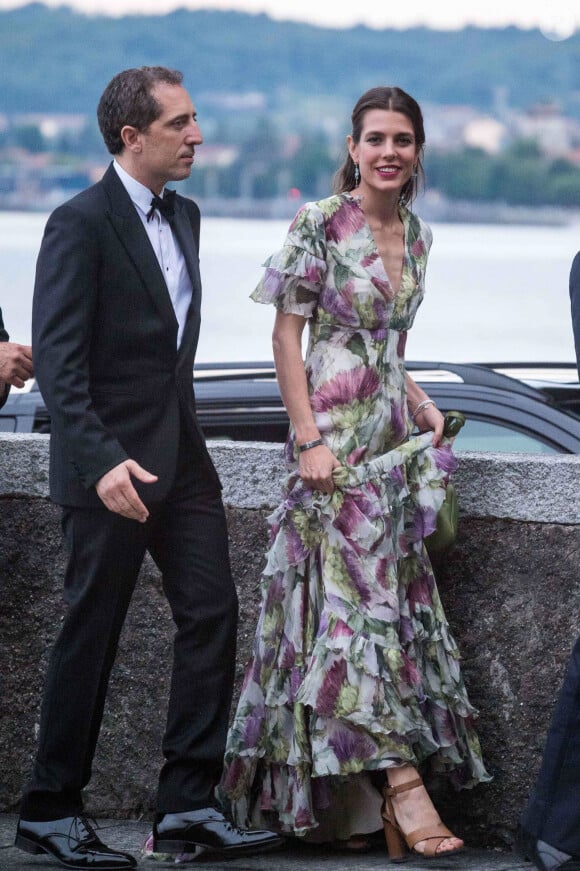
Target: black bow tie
[(165, 206)]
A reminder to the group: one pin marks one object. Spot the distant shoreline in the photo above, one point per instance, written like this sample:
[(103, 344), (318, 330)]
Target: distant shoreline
[(431, 207)]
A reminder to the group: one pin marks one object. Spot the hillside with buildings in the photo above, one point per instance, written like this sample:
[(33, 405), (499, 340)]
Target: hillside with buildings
[(502, 107)]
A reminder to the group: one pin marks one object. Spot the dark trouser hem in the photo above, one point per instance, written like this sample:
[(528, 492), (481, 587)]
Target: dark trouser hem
[(39, 808), (194, 806)]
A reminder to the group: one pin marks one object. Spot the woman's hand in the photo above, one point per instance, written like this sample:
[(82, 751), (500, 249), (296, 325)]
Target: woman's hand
[(430, 418), (315, 466), (426, 418)]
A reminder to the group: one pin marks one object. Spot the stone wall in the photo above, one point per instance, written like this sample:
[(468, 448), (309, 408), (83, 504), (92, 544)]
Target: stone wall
[(511, 589)]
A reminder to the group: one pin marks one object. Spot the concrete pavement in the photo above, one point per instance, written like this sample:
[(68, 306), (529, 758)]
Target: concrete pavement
[(128, 835)]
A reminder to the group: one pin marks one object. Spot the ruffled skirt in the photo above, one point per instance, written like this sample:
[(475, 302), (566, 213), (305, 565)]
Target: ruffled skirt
[(354, 668)]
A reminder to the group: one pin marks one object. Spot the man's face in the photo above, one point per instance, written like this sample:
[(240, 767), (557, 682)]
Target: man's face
[(167, 148)]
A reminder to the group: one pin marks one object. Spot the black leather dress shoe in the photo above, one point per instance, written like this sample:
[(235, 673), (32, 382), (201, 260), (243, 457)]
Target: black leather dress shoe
[(207, 830), (543, 855), (73, 842)]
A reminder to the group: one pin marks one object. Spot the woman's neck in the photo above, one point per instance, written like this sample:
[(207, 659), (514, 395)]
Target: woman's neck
[(381, 210)]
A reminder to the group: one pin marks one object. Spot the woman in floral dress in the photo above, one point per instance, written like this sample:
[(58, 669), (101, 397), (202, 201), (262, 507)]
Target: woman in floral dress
[(355, 679)]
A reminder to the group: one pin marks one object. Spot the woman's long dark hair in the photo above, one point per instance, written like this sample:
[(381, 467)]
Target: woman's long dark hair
[(393, 100)]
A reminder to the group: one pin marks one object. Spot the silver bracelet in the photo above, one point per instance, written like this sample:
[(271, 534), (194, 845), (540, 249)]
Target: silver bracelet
[(421, 407), (307, 445)]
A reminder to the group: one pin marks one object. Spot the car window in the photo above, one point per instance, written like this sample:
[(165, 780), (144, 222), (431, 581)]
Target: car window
[(483, 435)]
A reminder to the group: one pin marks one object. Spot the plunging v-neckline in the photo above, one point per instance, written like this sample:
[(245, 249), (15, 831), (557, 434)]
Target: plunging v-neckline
[(371, 235)]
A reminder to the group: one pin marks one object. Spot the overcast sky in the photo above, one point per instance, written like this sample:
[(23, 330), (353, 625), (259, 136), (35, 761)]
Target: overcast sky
[(557, 18)]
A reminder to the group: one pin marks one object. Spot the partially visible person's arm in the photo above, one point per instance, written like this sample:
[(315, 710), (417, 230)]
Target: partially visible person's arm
[(315, 464), (575, 305), (15, 363)]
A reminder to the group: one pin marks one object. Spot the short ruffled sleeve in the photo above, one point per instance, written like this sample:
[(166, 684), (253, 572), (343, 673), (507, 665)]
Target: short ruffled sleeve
[(295, 274), (426, 234)]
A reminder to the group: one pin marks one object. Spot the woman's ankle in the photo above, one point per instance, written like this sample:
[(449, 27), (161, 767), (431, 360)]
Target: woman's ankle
[(398, 775)]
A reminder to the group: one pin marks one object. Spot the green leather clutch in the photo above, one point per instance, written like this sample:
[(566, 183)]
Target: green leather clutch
[(448, 516)]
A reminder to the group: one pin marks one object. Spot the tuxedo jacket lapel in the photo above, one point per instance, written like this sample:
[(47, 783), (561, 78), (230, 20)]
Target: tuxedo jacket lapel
[(127, 224), (184, 233)]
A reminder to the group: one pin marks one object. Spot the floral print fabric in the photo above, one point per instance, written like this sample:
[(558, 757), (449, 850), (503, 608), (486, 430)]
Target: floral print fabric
[(354, 668)]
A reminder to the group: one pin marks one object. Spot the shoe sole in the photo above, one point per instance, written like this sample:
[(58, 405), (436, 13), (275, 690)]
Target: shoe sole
[(32, 847), (28, 846), (414, 855), (192, 847)]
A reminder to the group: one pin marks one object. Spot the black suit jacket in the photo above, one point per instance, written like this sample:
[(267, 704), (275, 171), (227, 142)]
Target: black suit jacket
[(575, 303), (104, 344), (3, 338)]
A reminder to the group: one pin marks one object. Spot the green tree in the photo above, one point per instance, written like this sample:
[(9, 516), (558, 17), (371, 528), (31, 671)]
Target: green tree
[(525, 181), (564, 190), (461, 175), (30, 138), (519, 176), (524, 149), (311, 167)]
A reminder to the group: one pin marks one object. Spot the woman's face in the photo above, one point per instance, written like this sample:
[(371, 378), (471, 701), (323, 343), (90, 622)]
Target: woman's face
[(386, 153)]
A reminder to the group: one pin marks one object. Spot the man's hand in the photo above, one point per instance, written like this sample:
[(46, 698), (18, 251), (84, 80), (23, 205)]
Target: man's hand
[(118, 494), (15, 363)]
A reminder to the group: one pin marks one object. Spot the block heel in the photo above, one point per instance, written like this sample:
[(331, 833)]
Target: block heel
[(396, 846)]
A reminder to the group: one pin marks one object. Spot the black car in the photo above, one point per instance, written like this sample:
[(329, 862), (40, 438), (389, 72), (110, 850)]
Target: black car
[(534, 409)]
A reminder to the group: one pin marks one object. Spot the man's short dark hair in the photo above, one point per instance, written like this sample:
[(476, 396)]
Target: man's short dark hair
[(128, 100)]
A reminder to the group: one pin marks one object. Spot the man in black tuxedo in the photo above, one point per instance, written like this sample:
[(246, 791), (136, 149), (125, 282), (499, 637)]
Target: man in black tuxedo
[(115, 324), (15, 363), (549, 833), (575, 305)]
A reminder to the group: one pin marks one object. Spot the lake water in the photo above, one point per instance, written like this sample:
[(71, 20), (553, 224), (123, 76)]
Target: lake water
[(494, 293)]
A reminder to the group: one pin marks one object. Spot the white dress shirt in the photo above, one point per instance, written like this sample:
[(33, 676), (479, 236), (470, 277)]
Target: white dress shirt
[(165, 245)]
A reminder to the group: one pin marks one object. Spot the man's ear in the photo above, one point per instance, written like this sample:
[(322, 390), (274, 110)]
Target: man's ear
[(131, 138)]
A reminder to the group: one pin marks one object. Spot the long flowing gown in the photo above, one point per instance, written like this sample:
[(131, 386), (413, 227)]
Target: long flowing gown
[(354, 668)]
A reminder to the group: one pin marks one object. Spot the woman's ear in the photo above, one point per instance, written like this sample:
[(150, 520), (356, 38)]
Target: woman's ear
[(352, 148)]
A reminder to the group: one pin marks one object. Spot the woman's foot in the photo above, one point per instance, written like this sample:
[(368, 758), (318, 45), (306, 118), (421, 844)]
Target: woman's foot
[(414, 814)]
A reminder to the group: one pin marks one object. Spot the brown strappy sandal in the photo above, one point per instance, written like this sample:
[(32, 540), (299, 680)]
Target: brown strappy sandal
[(398, 843)]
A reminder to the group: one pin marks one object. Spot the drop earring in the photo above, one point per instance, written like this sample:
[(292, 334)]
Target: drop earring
[(356, 175)]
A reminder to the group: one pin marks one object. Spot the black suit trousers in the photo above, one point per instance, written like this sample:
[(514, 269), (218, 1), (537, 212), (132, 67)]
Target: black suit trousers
[(553, 812), (187, 537)]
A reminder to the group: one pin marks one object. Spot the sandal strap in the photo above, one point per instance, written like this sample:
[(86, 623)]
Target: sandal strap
[(432, 849), (435, 832), (403, 787)]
